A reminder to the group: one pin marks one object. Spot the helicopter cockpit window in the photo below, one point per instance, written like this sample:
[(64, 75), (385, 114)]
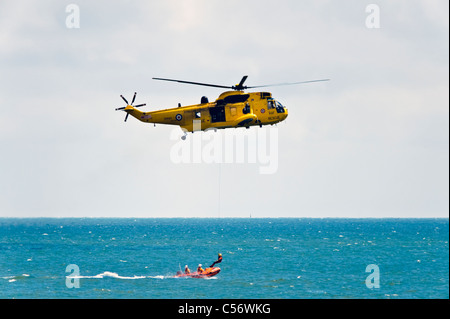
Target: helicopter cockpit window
[(279, 107), (198, 114), (270, 104)]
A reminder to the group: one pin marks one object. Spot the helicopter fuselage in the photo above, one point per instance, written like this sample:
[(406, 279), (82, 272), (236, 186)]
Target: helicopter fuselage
[(231, 109)]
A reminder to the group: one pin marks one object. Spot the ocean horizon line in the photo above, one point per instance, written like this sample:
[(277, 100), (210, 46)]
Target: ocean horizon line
[(222, 217)]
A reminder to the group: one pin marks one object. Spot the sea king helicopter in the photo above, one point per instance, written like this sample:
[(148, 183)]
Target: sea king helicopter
[(232, 109)]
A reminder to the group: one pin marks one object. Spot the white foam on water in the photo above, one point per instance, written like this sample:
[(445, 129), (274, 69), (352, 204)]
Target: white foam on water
[(107, 274), (158, 277), (15, 278)]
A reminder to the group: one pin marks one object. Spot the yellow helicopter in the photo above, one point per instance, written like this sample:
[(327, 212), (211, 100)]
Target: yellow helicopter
[(232, 109)]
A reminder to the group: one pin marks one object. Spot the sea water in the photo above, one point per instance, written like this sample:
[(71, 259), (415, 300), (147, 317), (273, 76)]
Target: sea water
[(262, 258)]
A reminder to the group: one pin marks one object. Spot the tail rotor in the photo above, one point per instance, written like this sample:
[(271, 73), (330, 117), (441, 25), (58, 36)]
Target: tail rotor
[(129, 106)]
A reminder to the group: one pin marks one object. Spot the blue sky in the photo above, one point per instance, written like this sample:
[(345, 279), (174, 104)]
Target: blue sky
[(373, 142)]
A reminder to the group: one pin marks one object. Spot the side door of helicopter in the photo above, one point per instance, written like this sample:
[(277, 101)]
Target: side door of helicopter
[(217, 113)]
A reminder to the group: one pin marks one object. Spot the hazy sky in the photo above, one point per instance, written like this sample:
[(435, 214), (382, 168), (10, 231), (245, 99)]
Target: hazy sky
[(373, 142)]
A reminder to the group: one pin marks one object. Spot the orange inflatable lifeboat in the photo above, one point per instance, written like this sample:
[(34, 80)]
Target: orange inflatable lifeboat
[(208, 272)]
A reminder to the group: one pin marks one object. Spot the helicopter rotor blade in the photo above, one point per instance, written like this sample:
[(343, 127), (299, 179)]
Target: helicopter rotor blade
[(140, 105), (195, 83), (241, 86), (289, 83), (124, 99), (244, 78), (134, 97), (126, 117)]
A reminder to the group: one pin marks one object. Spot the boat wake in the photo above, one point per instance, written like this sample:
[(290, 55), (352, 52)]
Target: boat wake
[(109, 274), (15, 278)]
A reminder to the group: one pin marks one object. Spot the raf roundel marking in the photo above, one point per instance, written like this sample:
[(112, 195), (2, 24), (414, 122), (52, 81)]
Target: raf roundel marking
[(179, 117)]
